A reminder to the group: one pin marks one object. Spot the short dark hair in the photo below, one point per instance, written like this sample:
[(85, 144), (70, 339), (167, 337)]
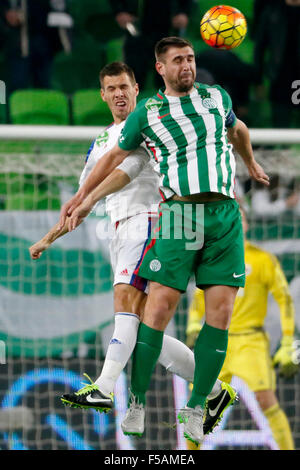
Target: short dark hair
[(165, 44), (114, 69)]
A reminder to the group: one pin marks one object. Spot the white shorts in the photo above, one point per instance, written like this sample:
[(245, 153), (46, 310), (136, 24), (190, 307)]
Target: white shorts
[(127, 248)]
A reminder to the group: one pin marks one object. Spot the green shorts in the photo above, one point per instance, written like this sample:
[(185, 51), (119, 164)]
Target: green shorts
[(204, 240)]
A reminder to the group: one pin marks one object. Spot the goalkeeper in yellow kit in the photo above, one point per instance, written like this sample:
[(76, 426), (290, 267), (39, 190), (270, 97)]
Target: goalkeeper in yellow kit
[(248, 354)]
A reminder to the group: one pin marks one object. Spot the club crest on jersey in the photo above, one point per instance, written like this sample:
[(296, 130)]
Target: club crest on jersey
[(155, 265), (209, 103), (153, 105), (102, 139)]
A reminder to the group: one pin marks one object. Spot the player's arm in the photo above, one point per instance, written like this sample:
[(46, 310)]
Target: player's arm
[(239, 136), (117, 180), (101, 170), (280, 290), (129, 169), (195, 314), (129, 140), (42, 245)]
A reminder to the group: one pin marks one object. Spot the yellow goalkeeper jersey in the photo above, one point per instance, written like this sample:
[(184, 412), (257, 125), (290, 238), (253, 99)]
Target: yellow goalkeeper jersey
[(263, 276)]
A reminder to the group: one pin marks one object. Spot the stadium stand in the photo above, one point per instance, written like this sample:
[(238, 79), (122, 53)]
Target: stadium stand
[(89, 109), (48, 107)]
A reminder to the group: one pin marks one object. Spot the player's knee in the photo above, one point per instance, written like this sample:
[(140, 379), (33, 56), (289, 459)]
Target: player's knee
[(220, 316), (126, 299), (159, 310)]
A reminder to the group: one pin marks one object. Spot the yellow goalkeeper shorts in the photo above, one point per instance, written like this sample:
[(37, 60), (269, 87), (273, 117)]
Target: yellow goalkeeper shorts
[(248, 357)]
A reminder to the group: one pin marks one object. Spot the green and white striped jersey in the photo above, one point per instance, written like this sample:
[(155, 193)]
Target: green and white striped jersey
[(187, 139)]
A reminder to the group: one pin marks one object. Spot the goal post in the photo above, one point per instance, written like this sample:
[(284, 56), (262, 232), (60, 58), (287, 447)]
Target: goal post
[(87, 133), (56, 313)]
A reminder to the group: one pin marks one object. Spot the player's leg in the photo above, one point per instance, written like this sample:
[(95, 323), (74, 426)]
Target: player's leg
[(153, 346), (159, 309), (127, 305), (129, 296), (220, 270), (220, 273), (168, 263), (175, 355), (277, 419), (125, 250), (178, 359), (216, 406), (99, 394), (168, 266), (212, 341), (210, 351)]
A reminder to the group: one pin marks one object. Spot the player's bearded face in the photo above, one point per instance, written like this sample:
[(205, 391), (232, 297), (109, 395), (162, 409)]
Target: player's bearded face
[(120, 95), (179, 69)]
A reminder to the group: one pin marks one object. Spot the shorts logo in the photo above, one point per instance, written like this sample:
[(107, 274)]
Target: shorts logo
[(209, 103), (115, 341), (155, 265), (124, 272), (153, 105)]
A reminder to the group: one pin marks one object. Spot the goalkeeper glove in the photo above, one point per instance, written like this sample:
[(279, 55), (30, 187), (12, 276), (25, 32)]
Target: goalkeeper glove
[(285, 357)]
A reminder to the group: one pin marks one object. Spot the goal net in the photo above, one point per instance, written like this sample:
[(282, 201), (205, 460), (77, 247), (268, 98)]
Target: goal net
[(56, 313)]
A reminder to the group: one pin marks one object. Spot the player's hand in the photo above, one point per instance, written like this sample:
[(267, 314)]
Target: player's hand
[(68, 208), (285, 357), (79, 214), (257, 172), (37, 249), (191, 339)]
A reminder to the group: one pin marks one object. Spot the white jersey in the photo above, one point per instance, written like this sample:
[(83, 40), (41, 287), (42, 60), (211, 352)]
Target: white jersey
[(141, 194)]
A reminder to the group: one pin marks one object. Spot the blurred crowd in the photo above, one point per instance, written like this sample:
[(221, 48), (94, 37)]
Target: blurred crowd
[(34, 32)]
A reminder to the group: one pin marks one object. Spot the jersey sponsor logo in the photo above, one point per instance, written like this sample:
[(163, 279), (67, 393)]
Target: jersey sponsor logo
[(155, 265), (238, 275), (102, 139), (209, 103), (153, 105)]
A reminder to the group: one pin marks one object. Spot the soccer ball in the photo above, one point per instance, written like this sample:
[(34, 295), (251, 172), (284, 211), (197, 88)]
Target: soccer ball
[(223, 27)]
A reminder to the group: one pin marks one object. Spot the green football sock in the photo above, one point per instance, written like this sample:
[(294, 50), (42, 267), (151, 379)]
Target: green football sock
[(210, 352), (145, 355)]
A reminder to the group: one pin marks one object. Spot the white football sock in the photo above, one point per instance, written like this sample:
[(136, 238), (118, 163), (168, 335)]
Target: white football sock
[(177, 358), (119, 350)]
